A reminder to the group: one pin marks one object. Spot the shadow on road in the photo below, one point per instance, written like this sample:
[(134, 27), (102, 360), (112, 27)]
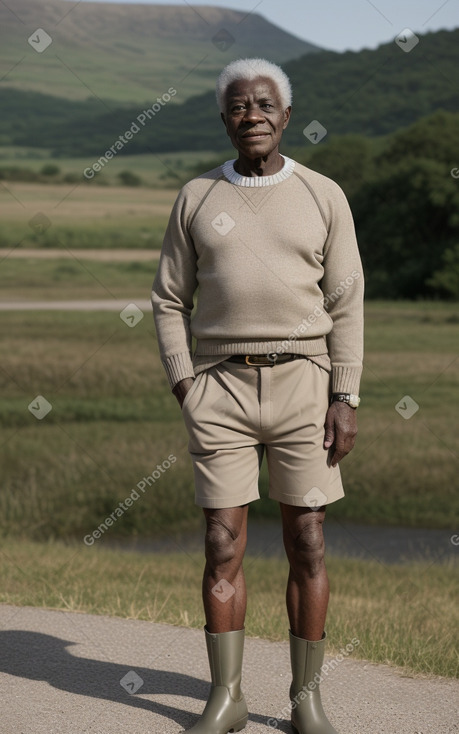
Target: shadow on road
[(42, 657)]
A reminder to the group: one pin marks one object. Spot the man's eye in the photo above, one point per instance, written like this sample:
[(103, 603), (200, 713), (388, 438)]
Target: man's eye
[(267, 104), (237, 108)]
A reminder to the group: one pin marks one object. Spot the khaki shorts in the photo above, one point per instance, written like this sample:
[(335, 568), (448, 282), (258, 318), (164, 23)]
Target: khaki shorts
[(234, 412)]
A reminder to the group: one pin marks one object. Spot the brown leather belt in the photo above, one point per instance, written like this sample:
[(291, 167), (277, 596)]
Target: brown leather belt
[(263, 360)]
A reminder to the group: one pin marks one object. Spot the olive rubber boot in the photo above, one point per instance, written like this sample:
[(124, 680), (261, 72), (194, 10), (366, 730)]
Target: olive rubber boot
[(226, 709), (306, 657)]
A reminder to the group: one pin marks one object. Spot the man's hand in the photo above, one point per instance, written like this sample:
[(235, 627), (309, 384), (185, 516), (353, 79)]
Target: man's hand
[(181, 388), (340, 430)]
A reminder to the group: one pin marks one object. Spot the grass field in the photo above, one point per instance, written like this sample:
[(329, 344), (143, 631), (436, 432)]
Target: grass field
[(150, 167), (402, 615), (80, 216), (114, 419), (74, 278)]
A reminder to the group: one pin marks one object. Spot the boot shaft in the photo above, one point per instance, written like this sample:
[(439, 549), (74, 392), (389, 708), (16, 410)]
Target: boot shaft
[(306, 658), (226, 708), (225, 652)]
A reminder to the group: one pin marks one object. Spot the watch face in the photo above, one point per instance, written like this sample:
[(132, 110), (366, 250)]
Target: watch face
[(354, 401)]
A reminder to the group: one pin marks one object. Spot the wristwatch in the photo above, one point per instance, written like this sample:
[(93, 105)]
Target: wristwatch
[(346, 397)]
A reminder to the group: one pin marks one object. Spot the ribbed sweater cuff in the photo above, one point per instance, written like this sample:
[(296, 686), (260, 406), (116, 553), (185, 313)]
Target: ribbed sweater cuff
[(178, 367), (346, 379)]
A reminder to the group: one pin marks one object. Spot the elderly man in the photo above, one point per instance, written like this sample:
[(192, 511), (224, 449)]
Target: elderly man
[(276, 368)]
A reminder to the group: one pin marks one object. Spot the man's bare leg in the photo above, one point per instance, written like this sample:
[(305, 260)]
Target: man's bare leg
[(307, 587), (307, 601), (225, 543), (224, 597)]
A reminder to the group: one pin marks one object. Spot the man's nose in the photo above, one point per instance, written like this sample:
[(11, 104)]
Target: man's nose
[(253, 114)]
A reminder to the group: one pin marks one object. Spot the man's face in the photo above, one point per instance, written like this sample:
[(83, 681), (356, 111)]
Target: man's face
[(254, 117)]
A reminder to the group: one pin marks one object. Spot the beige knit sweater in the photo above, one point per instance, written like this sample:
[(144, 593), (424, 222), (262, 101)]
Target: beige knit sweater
[(276, 267)]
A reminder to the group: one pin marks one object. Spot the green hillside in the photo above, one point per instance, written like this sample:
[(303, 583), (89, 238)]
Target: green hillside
[(376, 92), (370, 93), (130, 53)]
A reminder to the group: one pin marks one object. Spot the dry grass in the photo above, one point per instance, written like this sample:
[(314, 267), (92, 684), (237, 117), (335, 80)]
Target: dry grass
[(80, 206), (84, 216), (401, 615), (72, 203)]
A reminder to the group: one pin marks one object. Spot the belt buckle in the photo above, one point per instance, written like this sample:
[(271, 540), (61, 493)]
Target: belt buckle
[(266, 363)]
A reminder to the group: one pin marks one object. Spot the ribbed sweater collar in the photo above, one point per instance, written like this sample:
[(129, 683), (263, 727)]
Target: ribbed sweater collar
[(254, 181)]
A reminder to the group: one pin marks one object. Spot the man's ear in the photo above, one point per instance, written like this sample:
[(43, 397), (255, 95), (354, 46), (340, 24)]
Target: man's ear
[(287, 114)]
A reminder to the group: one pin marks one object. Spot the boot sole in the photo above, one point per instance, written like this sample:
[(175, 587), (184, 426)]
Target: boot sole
[(239, 725)]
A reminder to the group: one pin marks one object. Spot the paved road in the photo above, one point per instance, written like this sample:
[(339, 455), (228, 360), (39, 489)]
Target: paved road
[(342, 539), (60, 673)]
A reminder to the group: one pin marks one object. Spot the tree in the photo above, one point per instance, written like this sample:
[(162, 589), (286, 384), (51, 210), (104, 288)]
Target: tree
[(346, 159), (446, 280), (405, 222), (128, 178), (50, 169), (434, 137)]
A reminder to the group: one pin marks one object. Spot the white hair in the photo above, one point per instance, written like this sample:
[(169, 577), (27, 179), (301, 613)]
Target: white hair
[(253, 69)]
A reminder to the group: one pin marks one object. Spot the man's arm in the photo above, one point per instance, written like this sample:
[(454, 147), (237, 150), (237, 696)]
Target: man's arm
[(342, 286), (172, 296)]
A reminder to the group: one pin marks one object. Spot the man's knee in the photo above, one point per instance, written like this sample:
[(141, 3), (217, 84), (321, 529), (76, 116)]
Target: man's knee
[(223, 541), (305, 545)]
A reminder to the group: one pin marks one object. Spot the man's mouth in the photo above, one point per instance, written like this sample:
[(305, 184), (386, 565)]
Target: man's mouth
[(255, 135)]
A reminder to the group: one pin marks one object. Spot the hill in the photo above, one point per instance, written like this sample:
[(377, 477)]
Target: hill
[(130, 53), (370, 93)]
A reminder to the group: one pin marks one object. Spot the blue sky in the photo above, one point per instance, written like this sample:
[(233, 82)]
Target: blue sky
[(339, 25)]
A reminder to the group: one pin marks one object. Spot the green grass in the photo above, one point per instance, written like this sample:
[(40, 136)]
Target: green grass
[(141, 233), (153, 168), (124, 71), (114, 419), (405, 616), (31, 279), (111, 54)]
